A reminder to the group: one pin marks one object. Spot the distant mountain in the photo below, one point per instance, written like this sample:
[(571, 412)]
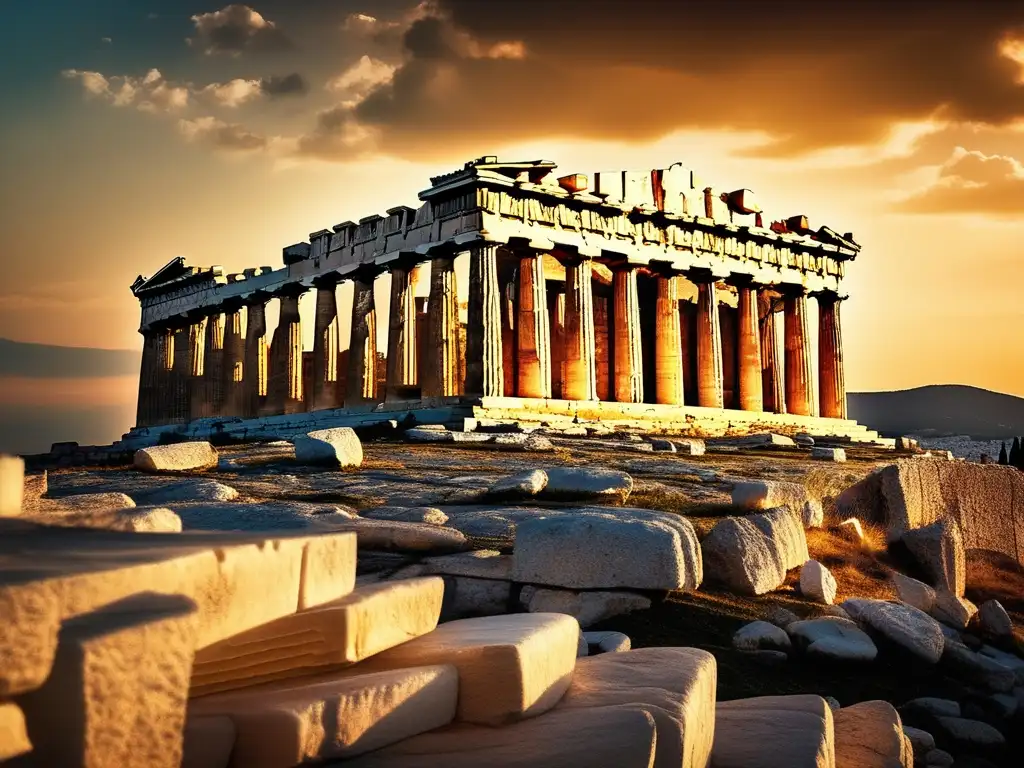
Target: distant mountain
[(29, 429), (43, 361), (940, 410)]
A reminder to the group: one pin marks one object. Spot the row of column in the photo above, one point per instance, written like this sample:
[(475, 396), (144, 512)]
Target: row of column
[(197, 371)]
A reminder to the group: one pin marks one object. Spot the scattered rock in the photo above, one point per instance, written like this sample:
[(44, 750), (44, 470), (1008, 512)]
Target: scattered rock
[(784, 529), (837, 611), (904, 625), (773, 732), (466, 597), (666, 446), (914, 592), (337, 447), (608, 642), (953, 610), (906, 444), (1008, 660), (425, 435), (833, 703), (971, 733), (766, 439), (766, 494), (832, 638), (804, 440), (978, 669), (922, 741), (813, 514), (781, 617), (851, 530), (995, 621), (90, 502), (817, 582), (829, 454), (586, 483), (428, 515), (736, 553), (193, 489), (870, 735), (934, 706), (479, 564), (939, 548), (587, 608), (522, 485), (938, 758), (177, 457), (690, 446), (524, 442), (147, 520), (760, 635)]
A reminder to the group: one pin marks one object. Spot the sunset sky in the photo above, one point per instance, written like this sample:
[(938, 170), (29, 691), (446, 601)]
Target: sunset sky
[(135, 131)]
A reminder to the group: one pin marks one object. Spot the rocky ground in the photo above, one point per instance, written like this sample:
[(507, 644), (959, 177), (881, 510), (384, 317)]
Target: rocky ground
[(478, 494)]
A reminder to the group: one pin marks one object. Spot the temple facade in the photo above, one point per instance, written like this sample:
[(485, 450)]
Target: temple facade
[(618, 296)]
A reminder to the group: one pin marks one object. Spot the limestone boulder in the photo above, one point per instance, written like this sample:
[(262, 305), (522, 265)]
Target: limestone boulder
[(88, 502), (177, 457), (774, 732), (336, 447), (428, 515), (736, 553), (510, 667), (938, 758), (902, 624), (587, 483), (955, 611), (766, 440), (13, 733), (939, 548), (766, 494), (817, 583), (466, 597), (971, 734), (1009, 660), (978, 669), (995, 621), (192, 489), (832, 638), (813, 514), (870, 735), (478, 564), (837, 455), (606, 642), (914, 592), (675, 685), (622, 736), (12, 485), (784, 528), (340, 633), (689, 446), (427, 435), (522, 485), (334, 716), (523, 442), (588, 608), (393, 535), (921, 741), (104, 667), (146, 519), (599, 551), (759, 636)]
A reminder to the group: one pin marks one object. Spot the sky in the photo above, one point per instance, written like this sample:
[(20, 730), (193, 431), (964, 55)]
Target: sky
[(135, 131)]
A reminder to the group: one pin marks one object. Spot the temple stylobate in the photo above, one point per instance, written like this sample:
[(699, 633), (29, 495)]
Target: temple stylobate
[(517, 295)]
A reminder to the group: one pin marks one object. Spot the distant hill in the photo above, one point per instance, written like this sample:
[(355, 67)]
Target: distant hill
[(940, 410), (43, 361)]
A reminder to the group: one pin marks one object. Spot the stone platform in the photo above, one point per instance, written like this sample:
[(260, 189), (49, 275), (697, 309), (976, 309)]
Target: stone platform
[(473, 413)]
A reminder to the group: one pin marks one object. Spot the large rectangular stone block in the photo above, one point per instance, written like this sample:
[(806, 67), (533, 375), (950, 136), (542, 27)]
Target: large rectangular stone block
[(334, 716), (12, 485), (238, 581), (13, 733), (369, 620), (774, 732), (510, 667), (117, 692)]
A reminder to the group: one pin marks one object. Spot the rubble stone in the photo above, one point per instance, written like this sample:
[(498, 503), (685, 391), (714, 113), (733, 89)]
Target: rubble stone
[(177, 457), (904, 625), (606, 642), (829, 454), (588, 608), (832, 638), (521, 485), (939, 548), (587, 483), (337, 447), (953, 610), (12, 485), (766, 494), (995, 621), (914, 592), (817, 583), (774, 732), (870, 735), (761, 635)]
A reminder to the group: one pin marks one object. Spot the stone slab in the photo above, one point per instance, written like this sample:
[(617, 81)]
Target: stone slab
[(588, 608), (118, 689), (587, 483), (774, 732), (510, 667), (337, 447), (870, 735), (333, 716), (831, 637), (766, 494), (177, 457), (902, 624), (369, 620), (675, 685)]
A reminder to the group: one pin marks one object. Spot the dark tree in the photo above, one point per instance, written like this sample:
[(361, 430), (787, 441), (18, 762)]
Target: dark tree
[(1003, 458), (1014, 457)]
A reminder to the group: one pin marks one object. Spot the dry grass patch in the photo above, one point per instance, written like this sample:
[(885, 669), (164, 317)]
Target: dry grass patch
[(991, 576), (861, 570)]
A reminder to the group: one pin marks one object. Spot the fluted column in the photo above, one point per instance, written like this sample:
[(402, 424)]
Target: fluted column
[(255, 379), (181, 375), (147, 379), (628, 354), (668, 343), (213, 367), (284, 391), (799, 393), (233, 368), (710, 384), (579, 381), (748, 343), (832, 381), (443, 334), (485, 374), (556, 324), (325, 348), (162, 404), (773, 385), (361, 380), (198, 402), (402, 368), (534, 335), (508, 284)]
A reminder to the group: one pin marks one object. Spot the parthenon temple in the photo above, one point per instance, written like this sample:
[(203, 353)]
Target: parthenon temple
[(517, 295)]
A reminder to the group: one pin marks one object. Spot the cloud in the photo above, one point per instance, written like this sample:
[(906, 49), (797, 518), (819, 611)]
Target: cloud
[(235, 29), (106, 40), (215, 132), (973, 182), (356, 82), (285, 85), (151, 93), (233, 93)]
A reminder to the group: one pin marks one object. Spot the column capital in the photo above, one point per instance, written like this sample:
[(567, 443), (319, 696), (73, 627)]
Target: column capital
[(290, 290), (326, 280), (740, 280), (828, 296), (791, 290), (700, 275)]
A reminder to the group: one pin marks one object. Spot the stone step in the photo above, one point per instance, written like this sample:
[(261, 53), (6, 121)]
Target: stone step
[(675, 685), (870, 735), (622, 736), (332, 716), (774, 732), (371, 619), (510, 667)]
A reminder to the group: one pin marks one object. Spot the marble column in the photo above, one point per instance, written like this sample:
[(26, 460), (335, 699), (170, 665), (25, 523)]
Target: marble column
[(628, 364), (602, 342), (710, 381), (213, 367), (556, 323), (162, 404), (799, 392), (668, 343), (181, 375), (773, 386), (198, 402), (443, 334), (233, 363), (508, 284), (832, 378), (534, 335), (402, 367), (148, 373), (484, 365), (255, 378), (579, 381), (748, 343), (325, 348), (284, 390), (361, 380)]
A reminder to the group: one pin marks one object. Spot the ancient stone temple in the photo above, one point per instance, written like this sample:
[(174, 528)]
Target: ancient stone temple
[(643, 299)]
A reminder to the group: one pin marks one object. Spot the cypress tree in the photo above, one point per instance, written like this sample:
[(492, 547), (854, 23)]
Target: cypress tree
[(1014, 458), (1020, 455), (1003, 458)]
